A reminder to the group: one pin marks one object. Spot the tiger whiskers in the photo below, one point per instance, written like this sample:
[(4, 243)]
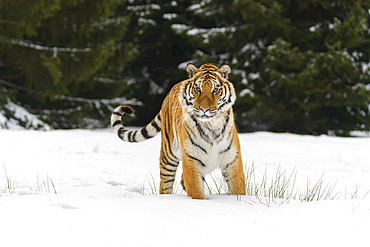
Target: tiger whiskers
[(179, 121), (183, 118)]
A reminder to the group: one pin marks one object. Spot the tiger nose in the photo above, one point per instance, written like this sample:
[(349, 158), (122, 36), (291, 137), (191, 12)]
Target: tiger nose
[(204, 109)]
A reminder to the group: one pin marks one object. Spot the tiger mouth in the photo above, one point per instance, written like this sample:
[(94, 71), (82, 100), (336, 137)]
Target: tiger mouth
[(205, 116)]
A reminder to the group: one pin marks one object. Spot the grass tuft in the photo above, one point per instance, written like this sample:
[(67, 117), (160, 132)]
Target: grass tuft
[(317, 191), (10, 184), (150, 182), (152, 185), (280, 186), (283, 186), (355, 194), (46, 186), (267, 189), (42, 185), (216, 186)]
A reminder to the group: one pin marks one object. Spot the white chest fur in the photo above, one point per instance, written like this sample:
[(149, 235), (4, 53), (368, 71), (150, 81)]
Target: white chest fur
[(210, 143)]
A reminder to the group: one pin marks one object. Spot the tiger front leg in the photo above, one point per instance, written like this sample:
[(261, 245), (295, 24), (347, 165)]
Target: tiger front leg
[(234, 176), (193, 181)]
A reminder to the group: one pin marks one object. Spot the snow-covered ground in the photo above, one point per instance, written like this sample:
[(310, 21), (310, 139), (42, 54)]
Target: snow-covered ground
[(99, 182)]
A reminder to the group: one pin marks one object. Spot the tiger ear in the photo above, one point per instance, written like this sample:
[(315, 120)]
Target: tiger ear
[(191, 69), (225, 71)]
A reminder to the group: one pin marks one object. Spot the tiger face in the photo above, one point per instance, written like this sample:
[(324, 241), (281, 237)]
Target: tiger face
[(207, 93)]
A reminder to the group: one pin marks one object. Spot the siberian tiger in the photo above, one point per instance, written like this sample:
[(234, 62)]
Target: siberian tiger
[(197, 124)]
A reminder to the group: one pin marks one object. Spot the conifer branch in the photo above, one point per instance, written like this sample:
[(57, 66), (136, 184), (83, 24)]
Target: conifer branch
[(31, 45)]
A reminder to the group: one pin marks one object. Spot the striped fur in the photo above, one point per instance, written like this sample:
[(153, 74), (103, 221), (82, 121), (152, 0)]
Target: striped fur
[(197, 126), (149, 131)]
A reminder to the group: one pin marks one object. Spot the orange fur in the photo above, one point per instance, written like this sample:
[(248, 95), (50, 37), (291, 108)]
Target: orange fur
[(197, 123)]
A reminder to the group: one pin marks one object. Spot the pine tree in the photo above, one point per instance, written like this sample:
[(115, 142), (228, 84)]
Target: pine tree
[(58, 57), (298, 66), (161, 49)]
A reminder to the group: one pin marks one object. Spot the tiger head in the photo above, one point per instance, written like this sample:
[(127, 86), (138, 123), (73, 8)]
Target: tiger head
[(207, 93)]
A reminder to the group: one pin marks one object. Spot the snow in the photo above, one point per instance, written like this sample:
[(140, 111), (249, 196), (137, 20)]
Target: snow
[(180, 27), (99, 202), (254, 76), (249, 47), (203, 32), (246, 91), (20, 114), (315, 27), (169, 16)]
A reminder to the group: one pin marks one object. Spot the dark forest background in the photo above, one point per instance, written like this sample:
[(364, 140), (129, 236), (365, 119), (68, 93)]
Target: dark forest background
[(298, 66)]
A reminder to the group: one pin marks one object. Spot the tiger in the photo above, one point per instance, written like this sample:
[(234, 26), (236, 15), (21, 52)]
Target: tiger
[(197, 127)]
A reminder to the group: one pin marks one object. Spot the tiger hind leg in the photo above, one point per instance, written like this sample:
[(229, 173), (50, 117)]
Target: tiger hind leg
[(182, 182), (168, 168)]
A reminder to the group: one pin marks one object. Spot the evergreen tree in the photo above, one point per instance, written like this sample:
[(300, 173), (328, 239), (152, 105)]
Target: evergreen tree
[(298, 66), (161, 49), (316, 77), (59, 58)]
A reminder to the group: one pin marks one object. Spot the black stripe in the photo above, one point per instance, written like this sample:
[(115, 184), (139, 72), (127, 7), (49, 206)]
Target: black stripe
[(225, 103), (187, 92), (187, 101), (117, 122), (228, 148), (169, 151), (117, 113), (173, 159), (166, 161), (134, 136), (121, 131), (167, 175), (201, 131), (188, 128), (186, 89), (145, 134), (169, 154), (155, 125), (236, 156), (222, 105), (226, 122), (165, 168), (130, 136), (224, 86), (159, 117), (229, 94), (169, 181), (192, 157), (195, 144), (166, 136)]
